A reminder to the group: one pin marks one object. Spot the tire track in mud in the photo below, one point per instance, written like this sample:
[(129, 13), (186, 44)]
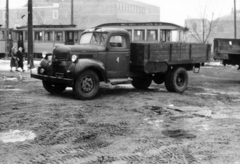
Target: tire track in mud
[(86, 142)]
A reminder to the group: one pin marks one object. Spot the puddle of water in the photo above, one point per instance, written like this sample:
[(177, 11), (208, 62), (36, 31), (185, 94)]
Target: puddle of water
[(236, 100), (125, 85), (210, 94), (179, 134), (153, 122), (16, 136), (9, 89), (222, 116), (203, 127)]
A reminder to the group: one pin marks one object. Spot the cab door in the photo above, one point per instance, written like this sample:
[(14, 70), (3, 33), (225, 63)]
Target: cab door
[(117, 57)]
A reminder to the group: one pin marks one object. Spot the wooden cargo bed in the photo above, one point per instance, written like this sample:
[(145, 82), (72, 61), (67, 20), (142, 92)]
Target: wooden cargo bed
[(155, 54)]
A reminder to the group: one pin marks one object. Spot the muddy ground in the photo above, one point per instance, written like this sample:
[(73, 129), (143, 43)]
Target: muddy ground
[(124, 125)]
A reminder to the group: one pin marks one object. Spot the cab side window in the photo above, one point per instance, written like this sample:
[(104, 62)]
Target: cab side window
[(118, 41)]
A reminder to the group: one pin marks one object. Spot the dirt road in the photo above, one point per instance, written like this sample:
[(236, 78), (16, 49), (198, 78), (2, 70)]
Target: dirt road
[(123, 125)]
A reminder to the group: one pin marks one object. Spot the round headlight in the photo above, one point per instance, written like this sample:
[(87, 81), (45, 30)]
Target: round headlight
[(74, 58), (44, 54), (41, 70)]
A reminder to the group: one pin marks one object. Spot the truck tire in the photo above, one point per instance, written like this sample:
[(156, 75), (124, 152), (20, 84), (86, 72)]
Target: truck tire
[(159, 78), (87, 85), (54, 88), (179, 79), (141, 83), (167, 81)]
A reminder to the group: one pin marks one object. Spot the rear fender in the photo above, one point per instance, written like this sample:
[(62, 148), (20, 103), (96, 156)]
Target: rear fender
[(97, 66)]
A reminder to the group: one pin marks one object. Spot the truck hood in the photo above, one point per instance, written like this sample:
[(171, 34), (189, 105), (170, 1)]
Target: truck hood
[(77, 48)]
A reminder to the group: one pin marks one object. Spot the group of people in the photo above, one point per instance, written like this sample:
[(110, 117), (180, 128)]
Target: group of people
[(17, 58)]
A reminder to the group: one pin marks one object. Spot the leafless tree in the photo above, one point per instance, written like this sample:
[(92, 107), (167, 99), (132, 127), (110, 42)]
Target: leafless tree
[(201, 28)]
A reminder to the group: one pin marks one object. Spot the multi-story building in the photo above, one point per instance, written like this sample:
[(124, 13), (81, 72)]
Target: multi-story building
[(86, 13)]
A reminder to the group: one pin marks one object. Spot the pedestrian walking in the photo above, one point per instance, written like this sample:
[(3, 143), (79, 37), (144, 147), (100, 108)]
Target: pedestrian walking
[(20, 56), (14, 59)]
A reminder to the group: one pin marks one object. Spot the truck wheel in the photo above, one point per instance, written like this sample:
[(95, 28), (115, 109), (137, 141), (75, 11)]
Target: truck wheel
[(159, 78), (141, 83), (179, 79), (87, 85), (167, 81), (54, 88)]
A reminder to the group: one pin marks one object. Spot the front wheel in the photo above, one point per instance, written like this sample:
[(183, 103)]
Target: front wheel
[(54, 88), (87, 85), (141, 83)]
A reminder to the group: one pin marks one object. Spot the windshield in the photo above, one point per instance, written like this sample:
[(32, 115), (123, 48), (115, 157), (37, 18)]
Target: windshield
[(93, 38)]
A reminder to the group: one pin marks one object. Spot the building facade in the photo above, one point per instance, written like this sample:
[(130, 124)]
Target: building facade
[(86, 13)]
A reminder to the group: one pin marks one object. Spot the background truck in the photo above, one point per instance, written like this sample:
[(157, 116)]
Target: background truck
[(227, 51), (107, 55)]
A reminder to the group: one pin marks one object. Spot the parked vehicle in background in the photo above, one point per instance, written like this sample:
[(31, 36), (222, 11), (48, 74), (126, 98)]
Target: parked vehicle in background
[(45, 37), (227, 51), (108, 55), (3, 43)]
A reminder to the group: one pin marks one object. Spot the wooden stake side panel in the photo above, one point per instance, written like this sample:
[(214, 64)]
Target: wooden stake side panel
[(142, 53)]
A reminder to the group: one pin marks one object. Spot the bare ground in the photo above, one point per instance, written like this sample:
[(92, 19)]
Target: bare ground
[(124, 125)]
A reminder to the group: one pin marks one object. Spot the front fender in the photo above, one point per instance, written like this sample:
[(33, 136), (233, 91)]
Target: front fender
[(97, 66)]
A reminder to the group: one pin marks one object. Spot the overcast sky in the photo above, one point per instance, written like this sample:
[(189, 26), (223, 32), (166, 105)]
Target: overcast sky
[(174, 11)]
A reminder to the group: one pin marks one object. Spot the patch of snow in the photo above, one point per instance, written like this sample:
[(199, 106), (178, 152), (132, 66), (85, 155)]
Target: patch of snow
[(16, 136)]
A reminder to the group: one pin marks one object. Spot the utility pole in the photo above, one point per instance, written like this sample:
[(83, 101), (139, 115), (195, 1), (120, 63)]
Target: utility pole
[(235, 21), (6, 29), (72, 12), (30, 35)]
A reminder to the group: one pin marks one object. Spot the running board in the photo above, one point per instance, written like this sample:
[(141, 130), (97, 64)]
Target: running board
[(120, 81)]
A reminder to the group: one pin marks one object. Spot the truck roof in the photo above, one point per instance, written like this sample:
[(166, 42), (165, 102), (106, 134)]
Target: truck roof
[(106, 29)]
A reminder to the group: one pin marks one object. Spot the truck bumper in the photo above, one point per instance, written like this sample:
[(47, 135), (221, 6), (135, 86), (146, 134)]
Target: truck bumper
[(52, 79)]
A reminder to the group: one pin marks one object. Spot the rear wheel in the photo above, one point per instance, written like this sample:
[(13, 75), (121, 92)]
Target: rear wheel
[(179, 79), (87, 85), (167, 81), (141, 83), (159, 78), (54, 88)]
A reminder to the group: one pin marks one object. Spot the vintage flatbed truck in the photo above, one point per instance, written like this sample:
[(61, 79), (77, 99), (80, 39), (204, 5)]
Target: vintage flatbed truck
[(107, 55), (227, 51)]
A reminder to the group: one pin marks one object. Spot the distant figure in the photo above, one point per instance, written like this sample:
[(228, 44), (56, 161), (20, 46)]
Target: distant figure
[(14, 59), (20, 57)]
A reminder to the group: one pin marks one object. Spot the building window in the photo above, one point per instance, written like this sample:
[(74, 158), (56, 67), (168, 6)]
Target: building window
[(55, 14), (26, 35), (4, 15), (2, 35), (147, 11), (152, 35), (59, 36), (124, 6), (48, 36), (138, 35), (120, 5), (38, 35)]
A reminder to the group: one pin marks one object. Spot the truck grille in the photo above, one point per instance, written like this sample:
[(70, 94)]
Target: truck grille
[(61, 56)]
